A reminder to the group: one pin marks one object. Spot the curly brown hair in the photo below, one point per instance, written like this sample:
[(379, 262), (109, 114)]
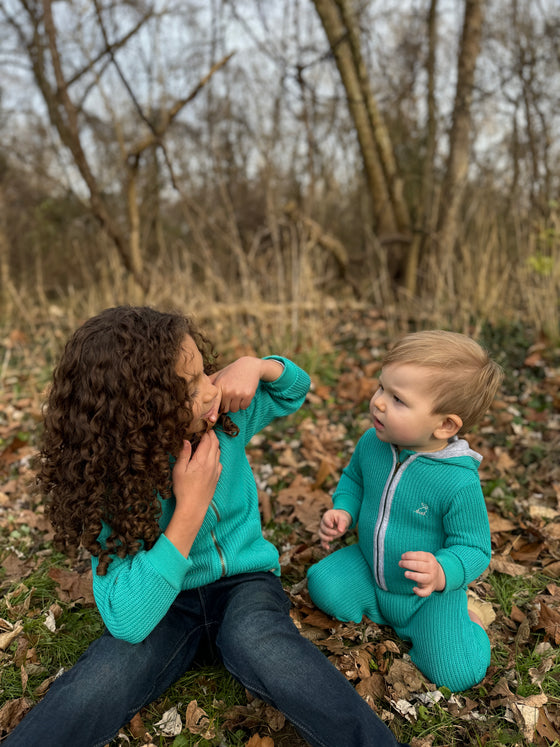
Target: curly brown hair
[(115, 413)]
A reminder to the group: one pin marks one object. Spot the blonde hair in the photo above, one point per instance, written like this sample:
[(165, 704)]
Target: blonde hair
[(465, 379)]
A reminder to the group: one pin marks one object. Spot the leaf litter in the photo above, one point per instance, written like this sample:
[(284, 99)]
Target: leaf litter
[(297, 466)]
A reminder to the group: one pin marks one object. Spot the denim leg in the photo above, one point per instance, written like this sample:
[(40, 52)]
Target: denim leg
[(112, 681), (264, 651)]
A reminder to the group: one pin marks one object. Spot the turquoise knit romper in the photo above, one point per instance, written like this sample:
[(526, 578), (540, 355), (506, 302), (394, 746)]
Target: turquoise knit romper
[(412, 501)]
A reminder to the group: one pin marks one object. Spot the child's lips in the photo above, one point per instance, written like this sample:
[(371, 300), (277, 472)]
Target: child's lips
[(377, 423)]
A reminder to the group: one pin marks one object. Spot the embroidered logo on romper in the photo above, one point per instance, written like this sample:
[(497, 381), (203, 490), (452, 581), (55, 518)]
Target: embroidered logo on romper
[(423, 510)]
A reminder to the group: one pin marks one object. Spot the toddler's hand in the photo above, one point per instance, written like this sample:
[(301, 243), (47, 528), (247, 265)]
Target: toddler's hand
[(334, 523), (425, 570)]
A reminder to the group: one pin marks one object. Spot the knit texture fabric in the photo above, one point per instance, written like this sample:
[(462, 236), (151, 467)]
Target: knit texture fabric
[(412, 501), (138, 590)]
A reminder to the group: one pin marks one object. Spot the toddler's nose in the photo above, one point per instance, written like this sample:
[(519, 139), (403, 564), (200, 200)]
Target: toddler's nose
[(377, 401)]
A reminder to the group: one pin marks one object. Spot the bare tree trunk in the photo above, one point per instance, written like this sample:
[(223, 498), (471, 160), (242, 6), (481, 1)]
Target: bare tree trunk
[(63, 115), (389, 207), (425, 220), (5, 278), (459, 137)]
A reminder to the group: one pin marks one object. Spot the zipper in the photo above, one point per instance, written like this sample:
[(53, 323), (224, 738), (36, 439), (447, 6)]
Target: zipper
[(379, 534), (215, 541)]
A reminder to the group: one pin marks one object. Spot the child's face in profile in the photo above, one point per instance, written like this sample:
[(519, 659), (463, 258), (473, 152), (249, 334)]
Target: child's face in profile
[(402, 408), (205, 397)]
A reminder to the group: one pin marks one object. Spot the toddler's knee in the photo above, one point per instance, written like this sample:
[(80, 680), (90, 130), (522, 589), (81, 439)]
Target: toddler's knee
[(332, 598), (321, 590), (457, 672)]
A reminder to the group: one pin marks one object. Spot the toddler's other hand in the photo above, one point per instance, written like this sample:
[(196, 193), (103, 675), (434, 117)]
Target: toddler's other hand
[(425, 570), (334, 523)]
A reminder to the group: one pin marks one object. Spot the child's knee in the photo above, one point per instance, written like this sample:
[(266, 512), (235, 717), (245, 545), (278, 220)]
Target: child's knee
[(455, 667), (342, 587), (323, 587)]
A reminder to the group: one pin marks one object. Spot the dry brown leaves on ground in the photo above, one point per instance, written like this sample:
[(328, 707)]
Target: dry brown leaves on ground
[(296, 472)]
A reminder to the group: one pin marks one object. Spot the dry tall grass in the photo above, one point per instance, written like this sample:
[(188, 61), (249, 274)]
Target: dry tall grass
[(285, 294)]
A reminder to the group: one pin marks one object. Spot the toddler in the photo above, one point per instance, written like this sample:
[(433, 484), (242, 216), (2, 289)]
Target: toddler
[(412, 489)]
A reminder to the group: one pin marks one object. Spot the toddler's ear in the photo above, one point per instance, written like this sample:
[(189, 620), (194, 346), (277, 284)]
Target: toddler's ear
[(450, 426)]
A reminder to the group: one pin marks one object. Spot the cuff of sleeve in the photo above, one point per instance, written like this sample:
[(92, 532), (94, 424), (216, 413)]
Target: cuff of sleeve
[(288, 375), (168, 562), (350, 505), (453, 569)]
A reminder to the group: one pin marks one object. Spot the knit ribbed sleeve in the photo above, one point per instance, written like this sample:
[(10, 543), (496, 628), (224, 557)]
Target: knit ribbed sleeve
[(467, 548)]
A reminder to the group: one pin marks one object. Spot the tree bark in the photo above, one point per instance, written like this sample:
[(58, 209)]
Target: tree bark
[(425, 223), (389, 207), (459, 138)]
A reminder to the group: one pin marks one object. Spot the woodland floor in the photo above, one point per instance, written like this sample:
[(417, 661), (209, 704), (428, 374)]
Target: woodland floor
[(47, 614)]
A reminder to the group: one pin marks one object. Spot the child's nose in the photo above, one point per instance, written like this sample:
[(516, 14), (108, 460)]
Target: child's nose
[(377, 400), (210, 391)]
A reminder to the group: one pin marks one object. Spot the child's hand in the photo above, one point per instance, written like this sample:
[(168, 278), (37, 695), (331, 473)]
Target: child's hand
[(425, 570), (334, 524), (197, 475), (194, 481), (239, 381)]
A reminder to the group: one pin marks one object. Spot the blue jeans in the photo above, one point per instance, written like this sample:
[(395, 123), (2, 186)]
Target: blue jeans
[(245, 620)]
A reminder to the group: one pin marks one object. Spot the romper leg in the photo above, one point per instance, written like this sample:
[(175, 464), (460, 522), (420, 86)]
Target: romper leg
[(342, 585), (447, 646)]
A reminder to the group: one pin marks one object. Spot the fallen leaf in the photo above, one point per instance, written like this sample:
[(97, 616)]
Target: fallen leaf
[(526, 718), (10, 635), (170, 723), (549, 619), (499, 524), (308, 504), (198, 722), (12, 713), (16, 568), (136, 726), (258, 741), (373, 687), (546, 729), (74, 586), (406, 709), (45, 684), (542, 512), (503, 565), (483, 610), (405, 679)]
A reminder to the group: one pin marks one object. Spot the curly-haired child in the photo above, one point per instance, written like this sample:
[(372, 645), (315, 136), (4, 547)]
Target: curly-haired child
[(144, 465), (413, 490)]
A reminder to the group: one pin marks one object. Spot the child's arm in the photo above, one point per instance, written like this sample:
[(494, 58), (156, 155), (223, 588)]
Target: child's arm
[(138, 590), (465, 553), (334, 523), (239, 381), (257, 391)]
